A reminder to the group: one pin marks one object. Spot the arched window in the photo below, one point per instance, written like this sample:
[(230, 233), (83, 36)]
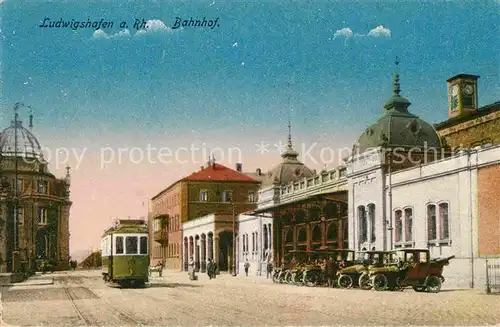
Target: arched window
[(331, 232), (363, 228), (398, 224), (302, 237), (288, 236), (330, 210), (316, 234), (408, 224), (300, 215), (443, 221), (265, 238), (431, 222), (371, 215)]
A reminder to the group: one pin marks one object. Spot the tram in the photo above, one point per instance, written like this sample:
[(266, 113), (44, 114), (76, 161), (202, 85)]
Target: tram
[(124, 252)]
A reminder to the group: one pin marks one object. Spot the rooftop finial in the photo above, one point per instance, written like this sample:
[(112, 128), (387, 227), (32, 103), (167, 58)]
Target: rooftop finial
[(396, 87)]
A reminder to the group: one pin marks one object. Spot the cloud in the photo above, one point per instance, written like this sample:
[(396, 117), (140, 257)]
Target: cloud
[(345, 32), (154, 26), (100, 34), (380, 31)]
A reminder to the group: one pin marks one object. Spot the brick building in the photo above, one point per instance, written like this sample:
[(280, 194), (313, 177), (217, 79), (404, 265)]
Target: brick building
[(214, 189), (34, 212), (469, 125)]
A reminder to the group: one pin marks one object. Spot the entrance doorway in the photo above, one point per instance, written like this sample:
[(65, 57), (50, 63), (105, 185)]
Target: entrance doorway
[(225, 250)]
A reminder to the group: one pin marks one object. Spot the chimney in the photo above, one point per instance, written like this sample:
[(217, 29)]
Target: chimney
[(201, 167), (259, 172), (239, 167)]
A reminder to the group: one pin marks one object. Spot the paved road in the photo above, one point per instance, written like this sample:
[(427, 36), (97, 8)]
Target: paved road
[(81, 299)]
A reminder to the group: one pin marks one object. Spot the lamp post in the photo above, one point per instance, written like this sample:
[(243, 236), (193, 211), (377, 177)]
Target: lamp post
[(234, 241)]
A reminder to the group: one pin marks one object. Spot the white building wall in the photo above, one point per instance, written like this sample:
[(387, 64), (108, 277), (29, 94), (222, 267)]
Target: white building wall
[(198, 227), (248, 225)]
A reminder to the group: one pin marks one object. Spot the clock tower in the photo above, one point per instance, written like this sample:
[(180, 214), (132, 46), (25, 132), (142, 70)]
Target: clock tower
[(462, 95)]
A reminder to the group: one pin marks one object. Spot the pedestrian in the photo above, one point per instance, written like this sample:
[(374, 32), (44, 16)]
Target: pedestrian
[(192, 272), (210, 268), (269, 269), (247, 266)]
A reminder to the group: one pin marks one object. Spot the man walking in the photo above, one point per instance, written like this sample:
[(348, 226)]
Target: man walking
[(210, 268), (247, 266), (269, 269)]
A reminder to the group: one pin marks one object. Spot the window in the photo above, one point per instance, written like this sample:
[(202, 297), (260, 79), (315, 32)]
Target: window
[(256, 241), (203, 195), (246, 240), (119, 245), (252, 197), (131, 245), (144, 245), (227, 196), (363, 228), (20, 185), (398, 221), (371, 214), (431, 222), (20, 216), (243, 244), (42, 216), (408, 224), (42, 187), (156, 225), (443, 220), (253, 242)]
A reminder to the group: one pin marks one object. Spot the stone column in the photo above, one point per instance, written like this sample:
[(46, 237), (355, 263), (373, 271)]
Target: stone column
[(216, 251)]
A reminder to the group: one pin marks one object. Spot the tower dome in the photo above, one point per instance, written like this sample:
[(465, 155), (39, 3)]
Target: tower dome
[(398, 128), (290, 169), (27, 144)]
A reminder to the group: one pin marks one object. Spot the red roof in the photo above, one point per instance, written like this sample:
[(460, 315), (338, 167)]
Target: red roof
[(216, 172)]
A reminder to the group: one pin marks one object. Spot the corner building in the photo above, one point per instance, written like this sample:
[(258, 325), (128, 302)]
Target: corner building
[(41, 230), (214, 189)]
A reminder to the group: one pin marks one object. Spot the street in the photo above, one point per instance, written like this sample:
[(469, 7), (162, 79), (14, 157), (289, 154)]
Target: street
[(82, 299)]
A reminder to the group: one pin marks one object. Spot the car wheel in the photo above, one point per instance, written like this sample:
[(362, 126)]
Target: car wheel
[(433, 284), (379, 282), (364, 281), (345, 281)]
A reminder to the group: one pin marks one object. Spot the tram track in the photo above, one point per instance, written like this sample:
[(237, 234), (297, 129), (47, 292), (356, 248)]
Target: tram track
[(124, 317)]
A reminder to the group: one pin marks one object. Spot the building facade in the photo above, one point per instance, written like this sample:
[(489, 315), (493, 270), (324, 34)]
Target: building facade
[(255, 243), (445, 204), (210, 237), (34, 205), (214, 189)]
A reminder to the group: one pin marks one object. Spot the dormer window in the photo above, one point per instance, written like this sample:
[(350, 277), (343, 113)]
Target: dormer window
[(42, 187), (227, 196), (203, 195)]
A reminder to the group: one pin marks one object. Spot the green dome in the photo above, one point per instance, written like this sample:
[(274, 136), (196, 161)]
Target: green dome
[(398, 128)]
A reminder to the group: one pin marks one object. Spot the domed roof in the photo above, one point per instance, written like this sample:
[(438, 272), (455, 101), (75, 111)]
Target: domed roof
[(290, 169), (27, 144), (398, 128)]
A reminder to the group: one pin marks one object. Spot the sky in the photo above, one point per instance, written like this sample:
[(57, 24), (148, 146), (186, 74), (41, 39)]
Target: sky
[(133, 109)]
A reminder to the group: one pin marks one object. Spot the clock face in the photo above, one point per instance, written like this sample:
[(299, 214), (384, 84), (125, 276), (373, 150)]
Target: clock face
[(454, 90), (468, 89)]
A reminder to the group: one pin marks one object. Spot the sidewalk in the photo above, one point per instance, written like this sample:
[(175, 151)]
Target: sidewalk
[(38, 279)]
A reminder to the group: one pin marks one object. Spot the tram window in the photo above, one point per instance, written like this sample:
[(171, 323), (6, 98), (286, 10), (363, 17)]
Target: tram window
[(119, 245), (131, 244), (144, 245)]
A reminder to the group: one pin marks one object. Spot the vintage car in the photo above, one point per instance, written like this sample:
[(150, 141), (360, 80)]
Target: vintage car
[(414, 268), (356, 274)]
